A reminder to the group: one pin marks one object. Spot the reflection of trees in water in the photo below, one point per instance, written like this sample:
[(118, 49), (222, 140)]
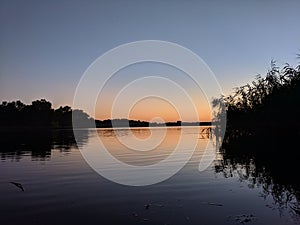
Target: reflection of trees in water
[(261, 140), (265, 162), (38, 144), (205, 133)]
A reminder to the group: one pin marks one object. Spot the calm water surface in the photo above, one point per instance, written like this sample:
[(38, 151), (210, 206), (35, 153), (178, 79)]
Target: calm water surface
[(61, 188)]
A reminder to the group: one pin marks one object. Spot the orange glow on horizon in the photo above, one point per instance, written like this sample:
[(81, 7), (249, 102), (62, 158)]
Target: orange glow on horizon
[(149, 109)]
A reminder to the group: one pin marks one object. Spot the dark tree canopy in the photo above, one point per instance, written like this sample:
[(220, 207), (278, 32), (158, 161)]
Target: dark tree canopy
[(269, 103), (261, 141), (38, 114)]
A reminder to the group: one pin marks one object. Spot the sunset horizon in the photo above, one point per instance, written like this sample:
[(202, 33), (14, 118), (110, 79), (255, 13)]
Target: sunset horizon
[(131, 112)]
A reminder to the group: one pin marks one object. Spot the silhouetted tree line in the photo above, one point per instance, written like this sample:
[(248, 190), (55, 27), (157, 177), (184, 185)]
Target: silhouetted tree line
[(268, 106), (121, 123), (38, 114), (139, 123), (262, 133)]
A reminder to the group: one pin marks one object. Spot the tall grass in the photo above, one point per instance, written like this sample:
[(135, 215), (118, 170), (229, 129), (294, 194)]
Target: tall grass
[(269, 102)]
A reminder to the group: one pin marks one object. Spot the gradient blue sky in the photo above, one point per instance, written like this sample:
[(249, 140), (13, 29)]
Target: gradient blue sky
[(45, 46)]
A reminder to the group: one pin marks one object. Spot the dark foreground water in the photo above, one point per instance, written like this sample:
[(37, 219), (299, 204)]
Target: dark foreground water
[(61, 188)]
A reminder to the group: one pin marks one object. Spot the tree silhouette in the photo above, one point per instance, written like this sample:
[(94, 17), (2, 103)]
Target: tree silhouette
[(263, 129), (39, 115)]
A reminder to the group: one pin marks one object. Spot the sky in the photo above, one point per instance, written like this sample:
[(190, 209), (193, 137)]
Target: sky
[(46, 46)]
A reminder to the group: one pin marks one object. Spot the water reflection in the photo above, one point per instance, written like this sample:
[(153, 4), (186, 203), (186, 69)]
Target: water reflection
[(140, 146), (37, 144), (143, 156), (264, 163), (267, 168)]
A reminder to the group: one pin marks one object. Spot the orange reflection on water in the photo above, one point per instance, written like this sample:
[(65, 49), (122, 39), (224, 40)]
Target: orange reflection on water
[(119, 143)]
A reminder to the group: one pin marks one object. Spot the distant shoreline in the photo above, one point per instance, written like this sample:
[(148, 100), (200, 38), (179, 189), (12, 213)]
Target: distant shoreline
[(118, 123), (138, 123), (40, 115)]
